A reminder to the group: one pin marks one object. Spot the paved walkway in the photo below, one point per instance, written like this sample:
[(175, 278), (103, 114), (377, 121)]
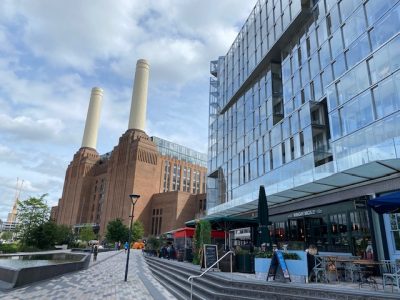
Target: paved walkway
[(103, 279)]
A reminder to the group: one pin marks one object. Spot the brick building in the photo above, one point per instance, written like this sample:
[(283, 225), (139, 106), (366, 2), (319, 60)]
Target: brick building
[(169, 178)]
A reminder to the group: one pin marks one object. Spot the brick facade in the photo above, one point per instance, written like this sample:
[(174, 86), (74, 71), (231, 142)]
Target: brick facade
[(97, 188)]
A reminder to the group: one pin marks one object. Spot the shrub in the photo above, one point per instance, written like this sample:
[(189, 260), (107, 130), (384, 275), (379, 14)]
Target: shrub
[(8, 248)]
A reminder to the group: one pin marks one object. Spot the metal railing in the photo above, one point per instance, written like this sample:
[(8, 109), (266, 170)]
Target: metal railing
[(191, 278)]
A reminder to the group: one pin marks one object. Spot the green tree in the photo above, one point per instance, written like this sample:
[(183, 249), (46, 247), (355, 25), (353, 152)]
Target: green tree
[(116, 231), (153, 243), (86, 233), (7, 235), (202, 236), (137, 231), (44, 235), (32, 213), (64, 235)]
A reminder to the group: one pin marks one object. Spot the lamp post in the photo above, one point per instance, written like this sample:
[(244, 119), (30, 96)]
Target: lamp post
[(134, 199)]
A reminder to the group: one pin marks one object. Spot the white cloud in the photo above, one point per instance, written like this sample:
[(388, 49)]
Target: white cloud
[(53, 52), (26, 128)]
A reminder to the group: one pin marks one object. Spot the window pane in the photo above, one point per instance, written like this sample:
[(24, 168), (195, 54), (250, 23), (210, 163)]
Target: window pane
[(354, 26), (334, 121), (339, 66), (376, 8), (386, 28), (336, 43), (386, 98), (358, 50)]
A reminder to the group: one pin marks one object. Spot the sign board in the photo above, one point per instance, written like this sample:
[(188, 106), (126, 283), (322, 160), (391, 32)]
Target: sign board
[(210, 255), (278, 267)]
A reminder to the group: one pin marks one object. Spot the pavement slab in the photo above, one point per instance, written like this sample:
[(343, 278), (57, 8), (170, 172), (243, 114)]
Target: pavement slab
[(104, 279)]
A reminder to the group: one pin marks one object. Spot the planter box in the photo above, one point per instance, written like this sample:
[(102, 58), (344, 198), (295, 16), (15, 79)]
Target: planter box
[(261, 266), (244, 263), (297, 268)]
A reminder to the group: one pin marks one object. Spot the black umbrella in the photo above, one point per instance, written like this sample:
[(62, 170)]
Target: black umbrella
[(263, 220)]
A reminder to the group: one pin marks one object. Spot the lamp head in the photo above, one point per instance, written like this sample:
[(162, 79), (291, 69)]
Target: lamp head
[(134, 198)]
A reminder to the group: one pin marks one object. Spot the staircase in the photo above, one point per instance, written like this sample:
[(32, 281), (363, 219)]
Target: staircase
[(173, 276)]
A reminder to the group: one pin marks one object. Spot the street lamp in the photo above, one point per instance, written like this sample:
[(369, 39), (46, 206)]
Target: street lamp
[(134, 198)]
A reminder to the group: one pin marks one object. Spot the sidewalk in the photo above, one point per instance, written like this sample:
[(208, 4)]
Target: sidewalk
[(104, 279)]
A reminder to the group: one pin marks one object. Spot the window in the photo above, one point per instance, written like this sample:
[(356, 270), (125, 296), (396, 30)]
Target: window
[(339, 66), (334, 121), (166, 176), (357, 51), (385, 28), (395, 229), (336, 43), (156, 221), (386, 98), (375, 9), (357, 113), (354, 26)]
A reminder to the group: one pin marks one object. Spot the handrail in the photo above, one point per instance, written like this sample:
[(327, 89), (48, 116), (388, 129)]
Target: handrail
[(191, 278)]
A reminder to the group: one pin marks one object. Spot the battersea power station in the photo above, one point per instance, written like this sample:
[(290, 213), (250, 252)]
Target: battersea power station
[(169, 178)]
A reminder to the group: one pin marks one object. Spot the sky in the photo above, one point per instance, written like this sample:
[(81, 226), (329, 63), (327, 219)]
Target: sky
[(53, 52)]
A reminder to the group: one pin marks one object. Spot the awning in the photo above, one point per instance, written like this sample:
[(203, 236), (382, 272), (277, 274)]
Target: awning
[(226, 223), (389, 203)]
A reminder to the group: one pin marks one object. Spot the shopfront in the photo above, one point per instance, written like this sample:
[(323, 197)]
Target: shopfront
[(340, 227)]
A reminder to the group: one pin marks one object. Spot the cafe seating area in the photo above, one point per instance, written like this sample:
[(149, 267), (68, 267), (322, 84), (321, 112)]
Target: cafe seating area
[(379, 275)]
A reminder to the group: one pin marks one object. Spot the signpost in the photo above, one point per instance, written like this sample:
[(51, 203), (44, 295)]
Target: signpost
[(210, 255), (278, 267)]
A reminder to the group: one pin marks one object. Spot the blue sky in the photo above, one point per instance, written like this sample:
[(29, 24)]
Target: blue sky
[(53, 52)]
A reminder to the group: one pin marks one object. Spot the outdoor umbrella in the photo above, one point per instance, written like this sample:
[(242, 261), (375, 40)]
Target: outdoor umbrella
[(263, 219), (385, 204)]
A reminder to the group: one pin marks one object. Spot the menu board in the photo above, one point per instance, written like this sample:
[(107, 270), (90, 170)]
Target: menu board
[(210, 255)]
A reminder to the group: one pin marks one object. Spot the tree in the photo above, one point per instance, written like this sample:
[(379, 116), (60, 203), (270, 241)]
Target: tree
[(202, 236), (64, 235), (137, 231), (86, 233), (7, 235), (32, 213), (44, 235), (153, 243), (116, 231)]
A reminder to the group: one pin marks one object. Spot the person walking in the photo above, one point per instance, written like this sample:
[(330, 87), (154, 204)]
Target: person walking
[(126, 246), (95, 251)]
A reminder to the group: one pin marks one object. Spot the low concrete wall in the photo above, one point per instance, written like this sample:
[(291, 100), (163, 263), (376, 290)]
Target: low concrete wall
[(17, 277)]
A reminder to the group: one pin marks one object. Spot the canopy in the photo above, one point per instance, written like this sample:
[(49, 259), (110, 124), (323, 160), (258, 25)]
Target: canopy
[(389, 203), (226, 223)]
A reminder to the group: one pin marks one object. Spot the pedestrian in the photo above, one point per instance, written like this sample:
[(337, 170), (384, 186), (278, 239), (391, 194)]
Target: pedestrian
[(172, 252), (119, 245), (95, 251), (126, 246), (116, 246)]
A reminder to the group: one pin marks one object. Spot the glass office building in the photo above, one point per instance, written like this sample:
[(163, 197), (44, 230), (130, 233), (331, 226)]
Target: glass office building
[(307, 103)]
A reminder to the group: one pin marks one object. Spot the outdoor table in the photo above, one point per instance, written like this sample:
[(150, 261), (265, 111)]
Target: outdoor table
[(342, 266), (366, 270)]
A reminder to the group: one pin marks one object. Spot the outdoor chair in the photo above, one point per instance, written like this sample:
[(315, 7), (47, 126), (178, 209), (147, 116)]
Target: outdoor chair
[(320, 269), (391, 272)]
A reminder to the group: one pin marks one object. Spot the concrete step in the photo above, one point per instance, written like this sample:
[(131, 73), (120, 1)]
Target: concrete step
[(208, 287), (173, 275)]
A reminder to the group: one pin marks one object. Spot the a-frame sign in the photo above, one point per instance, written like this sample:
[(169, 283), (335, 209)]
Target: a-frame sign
[(278, 269)]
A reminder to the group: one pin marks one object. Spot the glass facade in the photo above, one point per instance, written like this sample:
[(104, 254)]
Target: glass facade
[(179, 152), (307, 89)]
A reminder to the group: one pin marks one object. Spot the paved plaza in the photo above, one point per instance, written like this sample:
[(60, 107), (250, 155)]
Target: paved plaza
[(103, 279)]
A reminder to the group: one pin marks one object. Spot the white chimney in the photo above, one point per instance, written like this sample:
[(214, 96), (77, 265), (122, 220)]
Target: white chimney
[(137, 117), (93, 119)]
